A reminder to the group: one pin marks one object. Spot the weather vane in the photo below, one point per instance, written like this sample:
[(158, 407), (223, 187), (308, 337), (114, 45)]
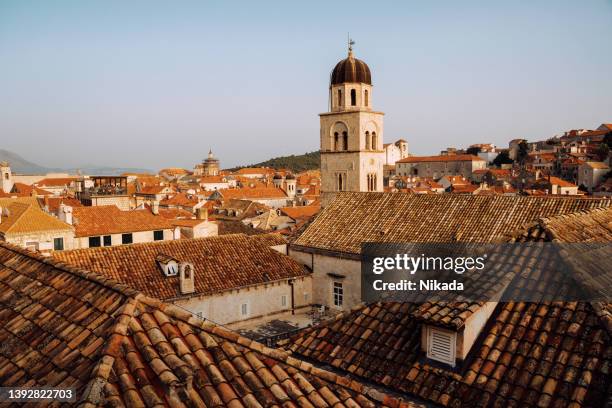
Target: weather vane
[(350, 42)]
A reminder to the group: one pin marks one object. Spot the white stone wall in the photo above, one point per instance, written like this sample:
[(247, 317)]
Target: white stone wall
[(262, 300), (216, 186), (42, 241), (322, 282), (137, 237), (205, 229), (122, 202), (440, 169)]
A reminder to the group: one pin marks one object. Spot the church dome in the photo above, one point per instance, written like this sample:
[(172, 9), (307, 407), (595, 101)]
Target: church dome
[(290, 177), (351, 69)]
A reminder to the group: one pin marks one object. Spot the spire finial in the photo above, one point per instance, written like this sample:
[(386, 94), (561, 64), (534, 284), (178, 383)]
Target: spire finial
[(350, 44)]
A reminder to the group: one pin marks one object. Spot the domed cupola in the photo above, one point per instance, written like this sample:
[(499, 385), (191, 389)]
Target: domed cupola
[(351, 70)]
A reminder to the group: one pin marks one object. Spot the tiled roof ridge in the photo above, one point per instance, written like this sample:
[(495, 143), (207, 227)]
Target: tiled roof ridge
[(544, 222), (109, 283), (277, 354)]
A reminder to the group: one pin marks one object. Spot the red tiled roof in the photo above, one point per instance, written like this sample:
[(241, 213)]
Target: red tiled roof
[(221, 263), (248, 193), (213, 179), (180, 199), (108, 219), (26, 218), (66, 327), (304, 211), (353, 218), (560, 182), (56, 182), (151, 189)]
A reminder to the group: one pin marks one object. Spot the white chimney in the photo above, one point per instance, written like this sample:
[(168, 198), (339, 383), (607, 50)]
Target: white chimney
[(65, 213), (155, 207)]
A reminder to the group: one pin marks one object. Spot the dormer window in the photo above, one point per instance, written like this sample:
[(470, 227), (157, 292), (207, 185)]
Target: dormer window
[(168, 265), (441, 345)]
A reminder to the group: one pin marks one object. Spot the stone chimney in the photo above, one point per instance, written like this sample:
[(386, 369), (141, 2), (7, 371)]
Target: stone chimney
[(202, 214), (155, 207), (186, 278), (65, 213)]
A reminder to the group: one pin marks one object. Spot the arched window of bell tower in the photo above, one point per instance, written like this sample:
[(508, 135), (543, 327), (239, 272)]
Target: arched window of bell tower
[(344, 141), (353, 97), (374, 141), (336, 139), (339, 97), (366, 98), (368, 140)]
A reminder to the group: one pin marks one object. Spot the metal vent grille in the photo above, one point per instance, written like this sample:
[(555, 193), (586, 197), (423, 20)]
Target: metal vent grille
[(441, 346)]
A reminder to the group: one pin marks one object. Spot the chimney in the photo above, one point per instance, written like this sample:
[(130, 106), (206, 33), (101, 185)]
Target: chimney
[(186, 278), (65, 214), (202, 214), (155, 207)]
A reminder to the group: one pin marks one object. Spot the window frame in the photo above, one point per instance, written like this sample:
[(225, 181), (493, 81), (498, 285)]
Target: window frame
[(337, 294), (105, 242), (93, 239), (124, 236), (59, 240), (156, 237)]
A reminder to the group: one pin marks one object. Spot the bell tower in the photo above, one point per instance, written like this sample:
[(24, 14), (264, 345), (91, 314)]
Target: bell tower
[(6, 178), (352, 154)]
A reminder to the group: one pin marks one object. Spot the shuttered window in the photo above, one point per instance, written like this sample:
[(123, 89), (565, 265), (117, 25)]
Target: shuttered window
[(441, 345)]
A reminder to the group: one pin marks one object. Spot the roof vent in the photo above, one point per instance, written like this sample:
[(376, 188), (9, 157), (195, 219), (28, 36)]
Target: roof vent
[(441, 345)]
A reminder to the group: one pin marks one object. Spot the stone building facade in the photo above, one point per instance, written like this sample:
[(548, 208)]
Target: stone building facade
[(208, 167)]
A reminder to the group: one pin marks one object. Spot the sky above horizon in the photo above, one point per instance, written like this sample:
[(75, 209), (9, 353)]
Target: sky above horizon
[(154, 84)]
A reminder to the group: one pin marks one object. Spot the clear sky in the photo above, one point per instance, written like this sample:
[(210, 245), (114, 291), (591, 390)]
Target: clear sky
[(156, 83)]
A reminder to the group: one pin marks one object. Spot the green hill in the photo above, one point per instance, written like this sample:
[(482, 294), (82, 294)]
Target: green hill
[(296, 163)]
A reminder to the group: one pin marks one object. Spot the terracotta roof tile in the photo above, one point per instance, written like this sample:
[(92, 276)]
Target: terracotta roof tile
[(109, 219), (193, 362), (220, 263), (29, 218), (353, 218)]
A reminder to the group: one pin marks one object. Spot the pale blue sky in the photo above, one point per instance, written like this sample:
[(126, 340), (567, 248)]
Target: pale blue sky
[(156, 83)]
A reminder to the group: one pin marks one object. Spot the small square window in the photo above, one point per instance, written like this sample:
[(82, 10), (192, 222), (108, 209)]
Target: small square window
[(158, 235), (94, 242), (58, 244), (107, 240), (126, 239)]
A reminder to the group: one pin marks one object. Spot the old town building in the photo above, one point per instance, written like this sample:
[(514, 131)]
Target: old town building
[(352, 153), (209, 166), (232, 278)]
